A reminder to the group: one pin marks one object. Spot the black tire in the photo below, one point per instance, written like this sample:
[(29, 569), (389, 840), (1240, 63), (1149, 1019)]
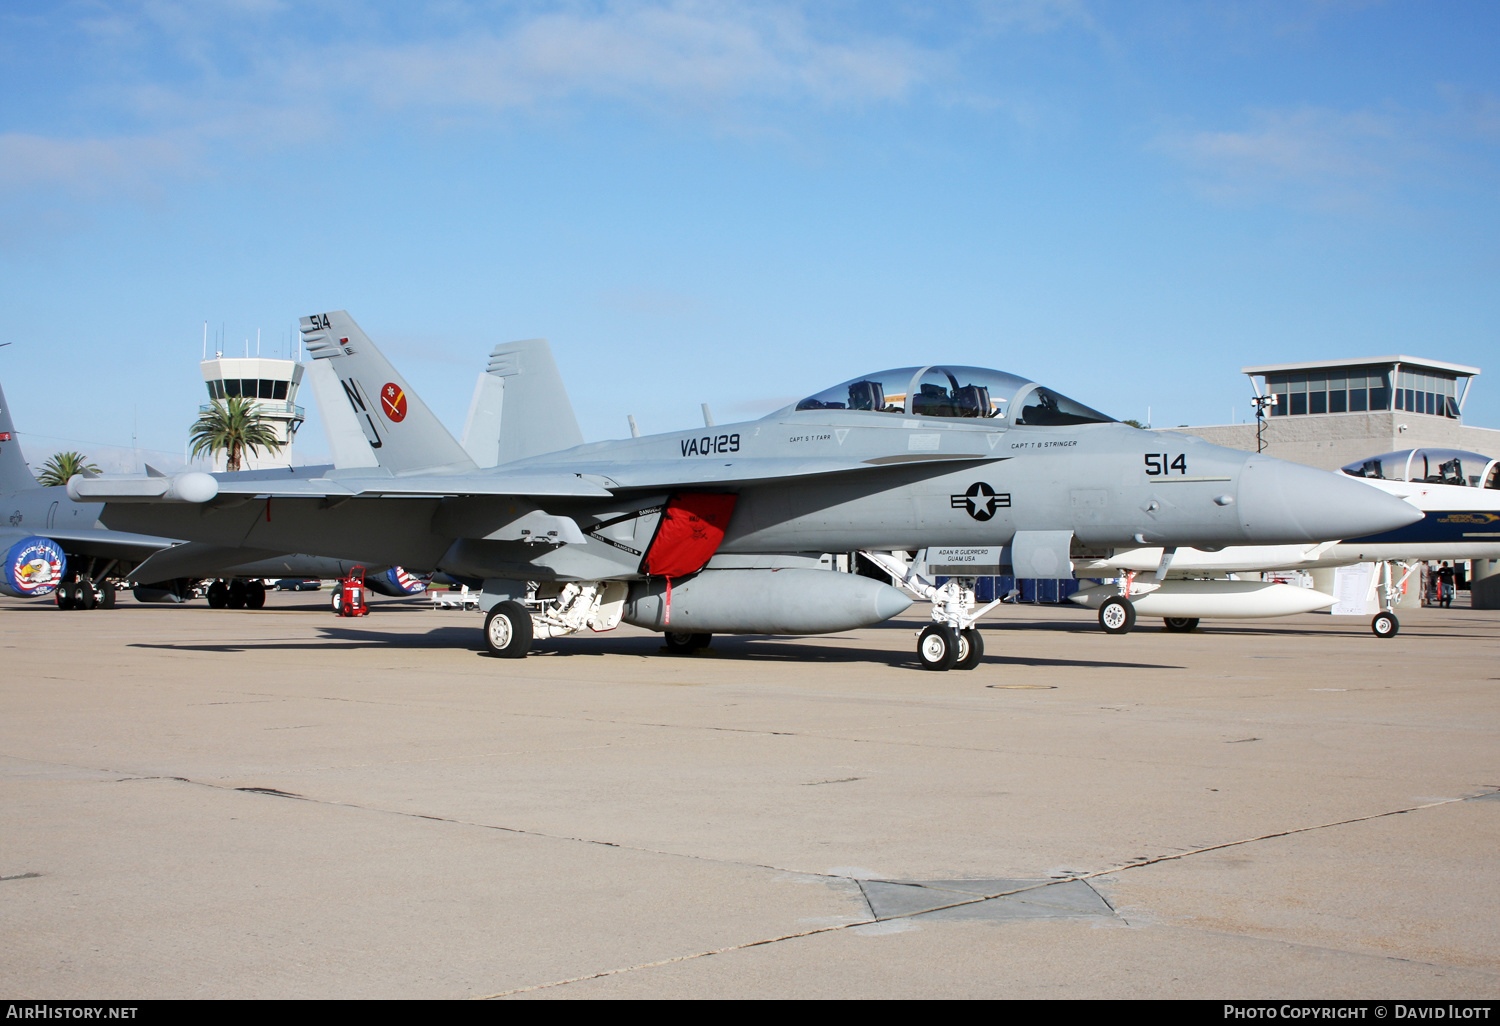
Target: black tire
[(107, 595), (970, 649), (255, 595), (87, 598), (1117, 615), (1385, 625), (1181, 624), (236, 595), (679, 643), (67, 595), (937, 647), (507, 631), (217, 595)]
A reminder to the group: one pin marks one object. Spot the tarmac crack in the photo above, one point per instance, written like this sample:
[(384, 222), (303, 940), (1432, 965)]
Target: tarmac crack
[(977, 899), (969, 899), (1188, 853)]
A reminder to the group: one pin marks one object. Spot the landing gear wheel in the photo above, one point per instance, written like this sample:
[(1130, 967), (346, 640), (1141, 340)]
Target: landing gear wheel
[(1117, 616), (236, 595), (107, 595), (937, 647), (255, 595), (1181, 624), (507, 631), (218, 595), (67, 595), (970, 649), (680, 643), (1385, 625), (87, 597)]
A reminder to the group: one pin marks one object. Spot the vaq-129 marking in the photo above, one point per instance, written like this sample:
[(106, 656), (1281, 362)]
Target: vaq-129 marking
[(694, 533)]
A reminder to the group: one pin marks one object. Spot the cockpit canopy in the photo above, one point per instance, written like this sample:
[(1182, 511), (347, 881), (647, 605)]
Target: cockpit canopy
[(953, 391), (1430, 466)]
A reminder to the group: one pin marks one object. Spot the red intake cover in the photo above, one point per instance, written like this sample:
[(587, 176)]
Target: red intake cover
[(689, 533)]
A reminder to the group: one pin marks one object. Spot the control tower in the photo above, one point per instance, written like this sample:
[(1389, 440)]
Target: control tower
[(272, 384)]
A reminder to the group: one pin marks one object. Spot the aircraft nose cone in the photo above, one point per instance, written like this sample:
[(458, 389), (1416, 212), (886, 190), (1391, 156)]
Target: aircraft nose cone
[(1284, 503)]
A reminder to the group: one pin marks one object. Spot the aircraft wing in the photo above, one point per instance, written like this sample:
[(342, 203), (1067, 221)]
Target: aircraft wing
[(104, 543), (196, 486), (581, 480)]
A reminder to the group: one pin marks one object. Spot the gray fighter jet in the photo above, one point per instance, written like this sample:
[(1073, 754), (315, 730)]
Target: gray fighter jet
[(52, 545), (54, 548), (719, 530)]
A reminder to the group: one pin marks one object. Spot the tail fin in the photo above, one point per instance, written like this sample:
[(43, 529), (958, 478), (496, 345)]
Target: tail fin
[(14, 475), (346, 440), (399, 427), (520, 406)]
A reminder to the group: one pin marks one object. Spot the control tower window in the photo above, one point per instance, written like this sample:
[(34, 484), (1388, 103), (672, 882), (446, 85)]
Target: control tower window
[(279, 389), (232, 388)]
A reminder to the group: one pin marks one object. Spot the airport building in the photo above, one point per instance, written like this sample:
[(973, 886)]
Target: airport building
[(1334, 413), (1330, 413), (272, 384)]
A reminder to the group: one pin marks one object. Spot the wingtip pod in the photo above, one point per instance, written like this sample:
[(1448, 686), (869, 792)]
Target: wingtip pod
[(192, 486)]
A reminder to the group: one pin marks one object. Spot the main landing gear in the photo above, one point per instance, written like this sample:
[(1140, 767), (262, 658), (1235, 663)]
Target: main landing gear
[(553, 610), (686, 644), (1117, 615), (951, 641), (79, 592), (236, 594)]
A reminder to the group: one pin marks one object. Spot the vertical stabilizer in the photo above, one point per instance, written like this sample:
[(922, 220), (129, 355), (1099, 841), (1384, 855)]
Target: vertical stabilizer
[(403, 433), (346, 442), (14, 475), (520, 407)]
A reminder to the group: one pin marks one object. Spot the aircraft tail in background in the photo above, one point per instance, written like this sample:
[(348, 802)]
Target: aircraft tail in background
[(520, 407), (15, 476)]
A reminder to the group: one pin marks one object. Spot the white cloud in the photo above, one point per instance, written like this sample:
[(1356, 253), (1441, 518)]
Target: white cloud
[(1321, 156), (194, 79), (683, 54), (90, 166)]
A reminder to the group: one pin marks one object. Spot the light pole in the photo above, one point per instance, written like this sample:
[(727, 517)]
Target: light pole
[(1261, 402)]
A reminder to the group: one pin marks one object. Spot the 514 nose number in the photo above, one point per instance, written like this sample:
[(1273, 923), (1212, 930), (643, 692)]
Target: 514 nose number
[(1157, 463)]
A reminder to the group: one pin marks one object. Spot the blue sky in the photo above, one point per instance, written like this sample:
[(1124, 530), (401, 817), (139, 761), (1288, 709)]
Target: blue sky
[(741, 203)]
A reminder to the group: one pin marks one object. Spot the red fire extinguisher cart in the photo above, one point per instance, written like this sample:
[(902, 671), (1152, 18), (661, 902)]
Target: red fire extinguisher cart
[(351, 599)]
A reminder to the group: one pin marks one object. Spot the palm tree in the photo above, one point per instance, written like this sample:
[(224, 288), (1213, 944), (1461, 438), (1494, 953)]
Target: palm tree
[(231, 426), (64, 465)]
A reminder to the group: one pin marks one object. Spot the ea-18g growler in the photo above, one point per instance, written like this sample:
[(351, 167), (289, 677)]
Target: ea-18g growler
[(718, 530)]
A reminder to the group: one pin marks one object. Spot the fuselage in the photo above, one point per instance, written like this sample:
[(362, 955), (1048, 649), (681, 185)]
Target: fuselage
[(880, 481)]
